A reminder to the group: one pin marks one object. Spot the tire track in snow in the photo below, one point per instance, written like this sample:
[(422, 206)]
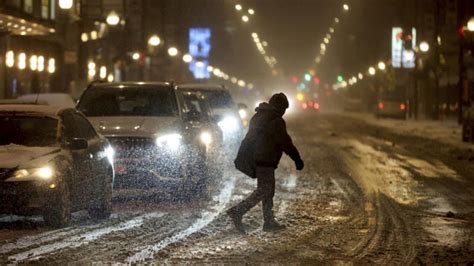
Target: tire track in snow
[(148, 252), (82, 239)]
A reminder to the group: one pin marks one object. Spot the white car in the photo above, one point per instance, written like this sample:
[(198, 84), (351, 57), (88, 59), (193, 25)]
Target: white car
[(60, 100), (158, 138), (226, 112)]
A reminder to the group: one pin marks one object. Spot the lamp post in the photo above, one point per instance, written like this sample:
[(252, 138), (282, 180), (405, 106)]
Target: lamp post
[(424, 48), (66, 4), (113, 18)]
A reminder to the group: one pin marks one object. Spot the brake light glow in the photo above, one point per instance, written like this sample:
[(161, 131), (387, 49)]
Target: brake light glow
[(381, 105), (305, 106), (403, 107), (317, 106)]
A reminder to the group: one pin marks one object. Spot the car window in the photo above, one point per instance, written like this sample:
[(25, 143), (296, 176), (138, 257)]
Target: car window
[(219, 99), (28, 130), (129, 102)]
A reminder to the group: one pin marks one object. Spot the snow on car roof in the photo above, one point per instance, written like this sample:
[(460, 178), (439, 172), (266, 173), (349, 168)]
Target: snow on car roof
[(131, 84), (53, 99), (202, 87), (31, 108)]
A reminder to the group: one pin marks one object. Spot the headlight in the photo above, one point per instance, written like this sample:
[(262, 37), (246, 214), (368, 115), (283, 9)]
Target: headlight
[(229, 124), (206, 138), (243, 113), (110, 153), (171, 142), (44, 173)]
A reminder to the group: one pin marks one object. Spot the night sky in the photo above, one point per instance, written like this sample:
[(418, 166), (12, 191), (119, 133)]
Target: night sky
[(294, 30)]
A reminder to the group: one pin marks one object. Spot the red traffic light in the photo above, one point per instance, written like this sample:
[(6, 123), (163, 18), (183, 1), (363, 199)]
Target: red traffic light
[(316, 81), (295, 80)]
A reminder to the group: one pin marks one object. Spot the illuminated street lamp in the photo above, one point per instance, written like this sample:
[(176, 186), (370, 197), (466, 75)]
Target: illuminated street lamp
[(187, 58), (113, 18), (245, 19), (372, 71), (154, 40), (66, 4), (136, 56), (251, 11), (173, 51), (424, 47), (382, 65), (470, 25), (346, 7), (238, 7)]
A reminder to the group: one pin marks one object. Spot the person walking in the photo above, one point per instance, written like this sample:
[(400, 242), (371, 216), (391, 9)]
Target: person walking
[(259, 156)]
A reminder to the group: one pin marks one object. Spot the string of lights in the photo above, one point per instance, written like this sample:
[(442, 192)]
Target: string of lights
[(328, 37), (371, 71), (220, 74), (262, 45)]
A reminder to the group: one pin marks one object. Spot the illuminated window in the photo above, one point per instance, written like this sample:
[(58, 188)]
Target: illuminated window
[(28, 6), (44, 9)]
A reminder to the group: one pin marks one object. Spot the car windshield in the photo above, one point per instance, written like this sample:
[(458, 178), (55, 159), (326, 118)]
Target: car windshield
[(129, 102), (219, 99), (28, 131)]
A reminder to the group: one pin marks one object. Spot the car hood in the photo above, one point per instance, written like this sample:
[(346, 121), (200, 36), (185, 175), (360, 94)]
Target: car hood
[(134, 126), (12, 156)]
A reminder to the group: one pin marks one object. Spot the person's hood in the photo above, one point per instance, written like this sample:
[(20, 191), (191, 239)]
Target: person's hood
[(140, 126), (267, 108), (18, 156)]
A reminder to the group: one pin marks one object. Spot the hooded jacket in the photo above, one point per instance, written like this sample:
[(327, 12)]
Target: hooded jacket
[(268, 129)]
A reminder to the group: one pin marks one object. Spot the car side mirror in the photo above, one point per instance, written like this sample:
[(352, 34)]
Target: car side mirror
[(78, 144)]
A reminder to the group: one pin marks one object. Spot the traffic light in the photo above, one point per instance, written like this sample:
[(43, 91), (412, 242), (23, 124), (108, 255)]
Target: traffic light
[(295, 80), (340, 78), (316, 81), (307, 77)]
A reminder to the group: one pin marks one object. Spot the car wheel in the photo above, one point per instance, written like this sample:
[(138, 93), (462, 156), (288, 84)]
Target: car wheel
[(102, 208), (58, 212)]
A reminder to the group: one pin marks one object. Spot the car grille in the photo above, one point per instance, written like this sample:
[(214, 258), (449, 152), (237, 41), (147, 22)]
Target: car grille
[(132, 147), (6, 173)]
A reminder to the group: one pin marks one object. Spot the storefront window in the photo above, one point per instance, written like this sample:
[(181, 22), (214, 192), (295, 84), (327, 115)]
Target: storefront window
[(45, 9), (28, 6), (13, 3)]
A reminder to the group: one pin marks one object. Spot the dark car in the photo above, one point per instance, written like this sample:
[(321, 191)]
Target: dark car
[(54, 163), (159, 137), (391, 105)]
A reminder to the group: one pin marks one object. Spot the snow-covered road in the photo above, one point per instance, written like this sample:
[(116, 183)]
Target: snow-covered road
[(369, 194)]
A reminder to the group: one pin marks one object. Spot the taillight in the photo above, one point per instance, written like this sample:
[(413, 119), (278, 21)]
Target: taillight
[(305, 106), (403, 106), (316, 106), (381, 105)]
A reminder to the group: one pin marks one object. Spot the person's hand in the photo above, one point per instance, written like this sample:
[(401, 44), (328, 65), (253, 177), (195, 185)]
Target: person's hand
[(299, 165)]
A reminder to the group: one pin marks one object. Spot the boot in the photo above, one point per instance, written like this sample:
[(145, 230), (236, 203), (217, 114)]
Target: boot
[(272, 226), (237, 220)]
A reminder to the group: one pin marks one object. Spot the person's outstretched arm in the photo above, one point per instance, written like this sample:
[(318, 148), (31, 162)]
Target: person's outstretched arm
[(286, 143)]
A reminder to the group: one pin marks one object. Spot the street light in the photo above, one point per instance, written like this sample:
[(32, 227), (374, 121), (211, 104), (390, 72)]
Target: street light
[(424, 47), (66, 4), (245, 19), (238, 7), (251, 11), (470, 25), (346, 7), (113, 18), (136, 56), (154, 40), (187, 58), (172, 51), (372, 71), (382, 65)]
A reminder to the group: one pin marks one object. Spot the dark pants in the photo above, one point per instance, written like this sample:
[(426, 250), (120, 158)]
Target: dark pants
[(264, 193)]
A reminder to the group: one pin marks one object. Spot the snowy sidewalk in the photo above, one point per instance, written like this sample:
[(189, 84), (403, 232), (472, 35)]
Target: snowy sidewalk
[(447, 131)]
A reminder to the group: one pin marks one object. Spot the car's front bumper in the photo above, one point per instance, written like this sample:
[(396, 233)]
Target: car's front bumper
[(23, 198)]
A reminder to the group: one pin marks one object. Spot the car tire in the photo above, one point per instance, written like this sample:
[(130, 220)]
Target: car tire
[(57, 213), (102, 208)]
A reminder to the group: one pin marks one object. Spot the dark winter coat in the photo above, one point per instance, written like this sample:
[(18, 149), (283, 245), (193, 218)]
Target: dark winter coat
[(268, 129)]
